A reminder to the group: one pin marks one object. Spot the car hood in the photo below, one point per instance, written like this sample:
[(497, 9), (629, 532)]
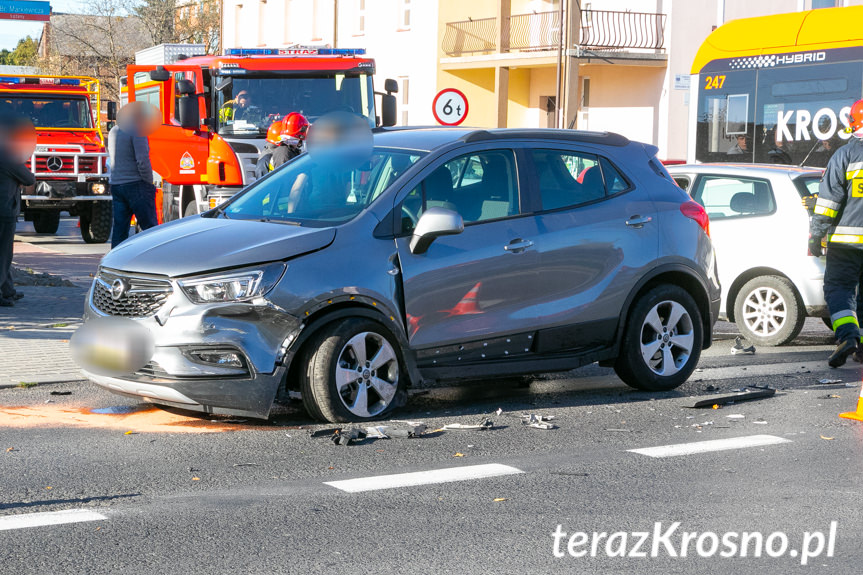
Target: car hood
[(196, 245)]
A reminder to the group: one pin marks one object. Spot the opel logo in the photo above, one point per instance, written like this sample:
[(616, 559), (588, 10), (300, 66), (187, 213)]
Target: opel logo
[(118, 289), (55, 163)]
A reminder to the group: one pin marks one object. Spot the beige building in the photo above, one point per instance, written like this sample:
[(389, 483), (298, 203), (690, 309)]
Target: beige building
[(616, 65)]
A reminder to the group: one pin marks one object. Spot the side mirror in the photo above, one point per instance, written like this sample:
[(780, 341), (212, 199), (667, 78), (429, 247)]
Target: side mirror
[(160, 74), (111, 111), (109, 126), (184, 88), (434, 223), (391, 86), (389, 111), (188, 112)]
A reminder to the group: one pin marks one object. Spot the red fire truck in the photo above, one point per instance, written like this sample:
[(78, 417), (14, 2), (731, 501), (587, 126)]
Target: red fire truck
[(215, 112), (70, 162)]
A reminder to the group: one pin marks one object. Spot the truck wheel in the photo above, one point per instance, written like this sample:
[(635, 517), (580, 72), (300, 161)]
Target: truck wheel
[(352, 372), (767, 311), (191, 209), (46, 222), (662, 341), (96, 225)]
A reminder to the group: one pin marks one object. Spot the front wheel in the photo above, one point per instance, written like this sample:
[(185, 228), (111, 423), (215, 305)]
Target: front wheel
[(46, 222), (767, 311), (352, 372), (96, 225), (662, 341)]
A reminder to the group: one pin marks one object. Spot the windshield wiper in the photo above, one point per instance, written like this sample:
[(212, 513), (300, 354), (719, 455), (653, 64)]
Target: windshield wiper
[(276, 221)]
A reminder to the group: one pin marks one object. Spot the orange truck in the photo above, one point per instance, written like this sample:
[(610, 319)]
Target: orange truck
[(216, 109), (70, 162)]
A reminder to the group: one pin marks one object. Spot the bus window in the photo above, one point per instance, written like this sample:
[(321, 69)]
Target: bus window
[(801, 112), (726, 117)]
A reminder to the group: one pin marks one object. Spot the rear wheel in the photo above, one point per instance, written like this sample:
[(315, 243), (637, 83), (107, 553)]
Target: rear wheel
[(191, 209), (96, 223), (46, 222), (352, 372), (767, 311), (662, 342)]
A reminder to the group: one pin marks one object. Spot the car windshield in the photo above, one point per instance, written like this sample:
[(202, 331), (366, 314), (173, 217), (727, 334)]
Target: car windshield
[(51, 112), (247, 106), (317, 192)]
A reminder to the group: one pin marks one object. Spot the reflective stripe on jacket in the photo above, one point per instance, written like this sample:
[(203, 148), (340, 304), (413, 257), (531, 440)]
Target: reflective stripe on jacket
[(839, 210)]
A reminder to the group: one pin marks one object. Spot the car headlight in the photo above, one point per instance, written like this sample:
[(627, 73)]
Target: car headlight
[(235, 286), (98, 188)]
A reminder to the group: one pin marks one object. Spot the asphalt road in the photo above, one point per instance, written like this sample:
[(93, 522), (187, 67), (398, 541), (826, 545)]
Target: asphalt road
[(147, 490)]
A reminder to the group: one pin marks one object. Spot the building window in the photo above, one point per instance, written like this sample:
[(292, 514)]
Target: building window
[(238, 19), (404, 14), (360, 20), (262, 22), (824, 4)]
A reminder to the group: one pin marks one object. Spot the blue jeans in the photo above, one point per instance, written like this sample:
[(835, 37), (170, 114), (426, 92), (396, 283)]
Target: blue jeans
[(138, 198)]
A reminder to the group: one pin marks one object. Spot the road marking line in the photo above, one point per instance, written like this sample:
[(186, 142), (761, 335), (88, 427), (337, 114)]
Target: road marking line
[(447, 475), (48, 518), (713, 445)]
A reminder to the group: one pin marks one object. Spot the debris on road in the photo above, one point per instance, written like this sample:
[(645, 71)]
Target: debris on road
[(458, 455), (61, 393), (620, 430), (735, 416), (740, 349), (828, 438), (244, 464), (538, 421), (829, 381), (830, 396), (484, 424), (324, 432), (345, 437), (377, 432), (499, 499), (749, 394)]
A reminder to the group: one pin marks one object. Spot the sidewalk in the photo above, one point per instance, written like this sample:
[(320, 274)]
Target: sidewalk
[(34, 335)]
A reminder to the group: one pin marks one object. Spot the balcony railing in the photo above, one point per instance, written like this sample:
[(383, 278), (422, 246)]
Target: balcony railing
[(600, 29)]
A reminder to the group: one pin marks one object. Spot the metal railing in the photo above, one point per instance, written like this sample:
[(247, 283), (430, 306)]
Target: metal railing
[(540, 31), (622, 30)]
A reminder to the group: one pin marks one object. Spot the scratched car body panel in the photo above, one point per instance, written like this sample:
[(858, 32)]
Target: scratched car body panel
[(442, 254)]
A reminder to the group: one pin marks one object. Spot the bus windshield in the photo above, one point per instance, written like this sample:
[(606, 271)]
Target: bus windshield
[(248, 105), (49, 112)]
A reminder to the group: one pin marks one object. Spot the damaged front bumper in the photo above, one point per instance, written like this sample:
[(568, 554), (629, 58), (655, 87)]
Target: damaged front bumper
[(226, 358)]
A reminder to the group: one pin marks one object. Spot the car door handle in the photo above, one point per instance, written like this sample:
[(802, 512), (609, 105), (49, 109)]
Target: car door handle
[(517, 246), (637, 221)]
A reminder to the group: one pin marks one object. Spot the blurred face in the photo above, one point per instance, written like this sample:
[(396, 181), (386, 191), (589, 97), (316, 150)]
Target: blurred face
[(243, 99), (138, 118), (741, 141)]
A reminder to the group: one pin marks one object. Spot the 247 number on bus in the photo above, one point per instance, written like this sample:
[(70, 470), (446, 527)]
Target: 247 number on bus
[(714, 82)]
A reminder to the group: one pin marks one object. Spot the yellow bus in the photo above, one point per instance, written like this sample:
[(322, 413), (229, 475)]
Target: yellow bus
[(776, 89)]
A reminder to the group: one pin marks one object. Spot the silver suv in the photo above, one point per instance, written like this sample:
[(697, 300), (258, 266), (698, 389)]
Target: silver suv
[(437, 255)]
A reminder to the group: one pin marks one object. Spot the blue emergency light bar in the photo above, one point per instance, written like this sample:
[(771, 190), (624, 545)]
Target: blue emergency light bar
[(300, 51), (35, 80)]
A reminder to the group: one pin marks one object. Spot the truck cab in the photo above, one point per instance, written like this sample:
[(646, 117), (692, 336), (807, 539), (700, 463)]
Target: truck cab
[(216, 111), (70, 162)]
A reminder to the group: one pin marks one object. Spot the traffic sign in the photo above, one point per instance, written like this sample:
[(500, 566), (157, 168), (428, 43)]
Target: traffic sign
[(450, 107), (25, 10)]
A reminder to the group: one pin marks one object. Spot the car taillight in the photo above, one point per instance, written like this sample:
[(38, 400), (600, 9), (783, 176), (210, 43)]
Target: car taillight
[(695, 211)]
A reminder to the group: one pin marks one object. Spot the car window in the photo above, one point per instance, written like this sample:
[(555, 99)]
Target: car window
[(614, 181), (807, 186), (682, 182), (479, 186), (726, 197), (570, 178)]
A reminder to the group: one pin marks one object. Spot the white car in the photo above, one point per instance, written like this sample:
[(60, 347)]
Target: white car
[(760, 230)]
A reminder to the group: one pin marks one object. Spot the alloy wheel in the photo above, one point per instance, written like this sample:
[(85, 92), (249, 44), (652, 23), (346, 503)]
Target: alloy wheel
[(367, 376), (667, 338), (764, 311)]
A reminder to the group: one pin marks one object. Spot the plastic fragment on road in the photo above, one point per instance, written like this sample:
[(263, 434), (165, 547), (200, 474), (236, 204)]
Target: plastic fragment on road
[(484, 424), (827, 438), (751, 393), (739, 348), (538, 421), (345, 437), (130, 432), (499, 499), (829, 381), (377, 432), (244, 464), (325, 432), (458, 455), (61, 393), (735, 416)]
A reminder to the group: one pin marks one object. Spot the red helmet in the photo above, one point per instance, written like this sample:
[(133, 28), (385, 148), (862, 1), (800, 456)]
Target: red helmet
[(274, 133), (295, 126), (855, 117)]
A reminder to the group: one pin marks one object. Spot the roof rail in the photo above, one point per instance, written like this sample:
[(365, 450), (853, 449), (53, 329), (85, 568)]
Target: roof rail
[(607, 138)]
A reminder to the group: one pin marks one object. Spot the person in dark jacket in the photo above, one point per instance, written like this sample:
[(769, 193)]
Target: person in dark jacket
[(131, 178), (838, 215), (13, 174)]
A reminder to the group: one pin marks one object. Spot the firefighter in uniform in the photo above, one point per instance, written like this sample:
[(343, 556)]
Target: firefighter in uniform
[(839, 216), (284, 143)]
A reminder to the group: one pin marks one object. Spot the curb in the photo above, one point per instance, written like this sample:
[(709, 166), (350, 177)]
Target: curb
[(44, 380)]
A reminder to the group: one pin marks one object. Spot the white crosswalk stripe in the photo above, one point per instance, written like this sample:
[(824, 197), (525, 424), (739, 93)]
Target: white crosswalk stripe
[(447, 475), (712, 445), (48, 518)]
